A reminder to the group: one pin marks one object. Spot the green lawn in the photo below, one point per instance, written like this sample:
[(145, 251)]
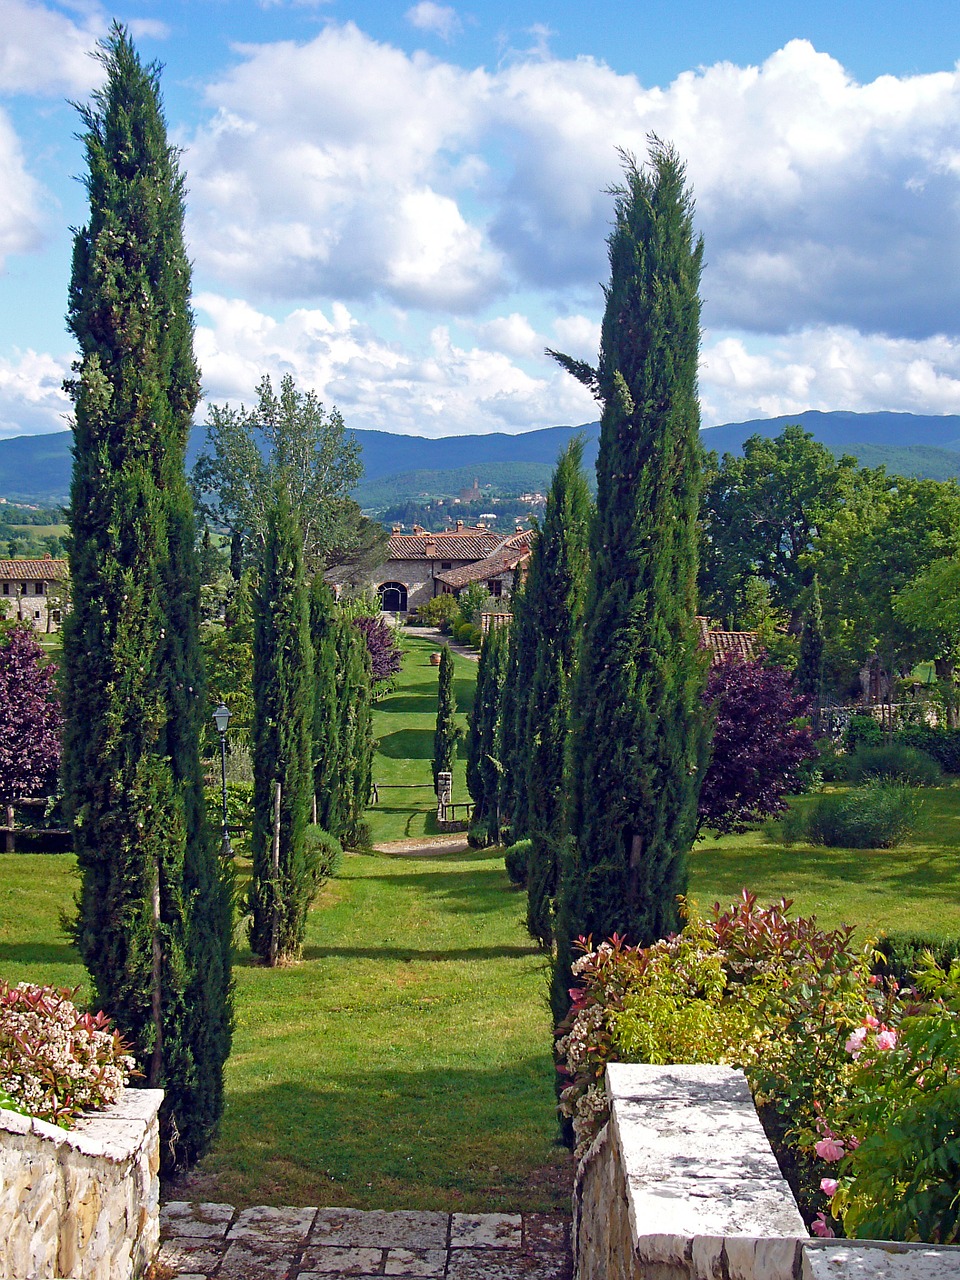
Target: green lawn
[(914, 889), (404, 724)]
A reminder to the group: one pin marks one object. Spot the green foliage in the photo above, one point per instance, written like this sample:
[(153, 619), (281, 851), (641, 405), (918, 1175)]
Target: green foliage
[(284, 873), (790, 487), (638, 739), (288, 444), (442, 609), (463, 632), (809, 673), (227, 649), (862, 731), (239, 806), (554, 601), (896, 763), (153, 923), (447, 733), (878, 815), (896, 1127), (899, 955), (942, 744), (55, 1061), (471, 601), (324, 852), (516, 858), (483, 736)]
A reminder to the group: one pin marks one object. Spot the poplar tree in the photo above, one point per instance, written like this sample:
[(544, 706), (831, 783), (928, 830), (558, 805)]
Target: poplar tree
[(554, 598), (284, 870), (639, 738), (446, 734), (153, 920)]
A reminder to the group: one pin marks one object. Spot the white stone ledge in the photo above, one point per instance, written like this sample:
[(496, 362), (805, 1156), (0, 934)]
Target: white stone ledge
[(681, 1184), (81, 1202)]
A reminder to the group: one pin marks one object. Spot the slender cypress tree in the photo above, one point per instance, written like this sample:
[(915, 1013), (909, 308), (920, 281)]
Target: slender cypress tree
[(327, 778), (484, 738), (445, 736), (516, 702), (639, 738), (153, 922), (556, 587), (809, 673), (284, 875)]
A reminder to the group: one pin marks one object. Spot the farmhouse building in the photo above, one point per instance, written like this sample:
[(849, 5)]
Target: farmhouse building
[(422, 565), (34, 591)]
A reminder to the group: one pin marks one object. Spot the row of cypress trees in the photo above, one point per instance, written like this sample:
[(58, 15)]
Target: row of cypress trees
[(602, 738)]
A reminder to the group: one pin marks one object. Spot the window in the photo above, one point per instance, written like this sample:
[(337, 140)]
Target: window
[(445, 564), (495, 587), (36, 614), (393, 597), (6, 588), (38, 589)]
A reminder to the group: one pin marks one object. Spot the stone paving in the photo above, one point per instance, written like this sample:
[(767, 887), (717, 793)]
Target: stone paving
[(203, 1241)]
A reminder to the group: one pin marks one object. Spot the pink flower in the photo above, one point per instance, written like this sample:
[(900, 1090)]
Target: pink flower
[(855, 1042), (829, 1149), (829, 1186), (871, 1022), (886, 1039), (819, 1227)]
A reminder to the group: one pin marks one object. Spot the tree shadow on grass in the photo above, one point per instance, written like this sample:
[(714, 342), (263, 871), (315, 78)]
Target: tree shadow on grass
[(459, 891), (414, 704), (392, 1138), (39, 953), (409, 954), (407, 744)]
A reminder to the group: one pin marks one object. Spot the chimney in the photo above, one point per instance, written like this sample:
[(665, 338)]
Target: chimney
[(459, 525), (418, 528)]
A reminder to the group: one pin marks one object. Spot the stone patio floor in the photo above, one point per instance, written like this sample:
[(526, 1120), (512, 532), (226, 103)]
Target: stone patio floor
[(201, 1241)]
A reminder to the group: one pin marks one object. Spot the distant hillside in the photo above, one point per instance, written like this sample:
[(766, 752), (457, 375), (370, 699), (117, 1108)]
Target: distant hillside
[(37, 468)]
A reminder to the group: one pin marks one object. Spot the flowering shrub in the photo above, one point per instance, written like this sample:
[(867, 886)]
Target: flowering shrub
[(748, 986), (54, 1060), (893, 1129)]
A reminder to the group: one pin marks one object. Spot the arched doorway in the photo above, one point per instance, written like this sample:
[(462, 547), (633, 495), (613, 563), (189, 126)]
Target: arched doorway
[(393, 597)]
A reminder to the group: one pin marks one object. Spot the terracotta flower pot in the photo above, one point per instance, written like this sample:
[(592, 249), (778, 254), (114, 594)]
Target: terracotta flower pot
[(435, 659)]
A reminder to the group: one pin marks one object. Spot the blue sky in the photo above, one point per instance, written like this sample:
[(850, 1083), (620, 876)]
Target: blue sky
[(404, 204)]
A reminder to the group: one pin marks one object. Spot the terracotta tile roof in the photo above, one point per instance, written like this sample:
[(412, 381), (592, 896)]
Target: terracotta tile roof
[(464, 544), (512, 552), (740, 645), (46, 570)]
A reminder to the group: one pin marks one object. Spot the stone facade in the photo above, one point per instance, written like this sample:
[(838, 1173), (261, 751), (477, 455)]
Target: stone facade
[(81, 1202)]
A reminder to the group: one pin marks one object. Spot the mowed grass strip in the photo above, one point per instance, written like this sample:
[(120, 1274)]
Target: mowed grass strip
[(404, 724)]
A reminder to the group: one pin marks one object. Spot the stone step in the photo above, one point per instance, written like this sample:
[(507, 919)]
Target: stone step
[(219, 1242)]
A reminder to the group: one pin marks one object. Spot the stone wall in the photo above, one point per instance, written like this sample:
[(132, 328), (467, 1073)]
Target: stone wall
[(81, 1202), (681, 1184)]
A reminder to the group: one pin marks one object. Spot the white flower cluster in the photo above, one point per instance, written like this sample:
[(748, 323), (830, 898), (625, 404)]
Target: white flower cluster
[(573, 1048), (590, 1115), (54, 1059)]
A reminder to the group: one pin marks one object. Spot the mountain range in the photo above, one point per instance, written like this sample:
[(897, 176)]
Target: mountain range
[(36, 469)]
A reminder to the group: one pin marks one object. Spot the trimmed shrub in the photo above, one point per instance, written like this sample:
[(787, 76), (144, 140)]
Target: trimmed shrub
[(899, 955), (463, 632), (476, 637), (942, 744), (878, 815), (435, 612), (325, 851), (54, 1060), (896, 763), (516, 859)]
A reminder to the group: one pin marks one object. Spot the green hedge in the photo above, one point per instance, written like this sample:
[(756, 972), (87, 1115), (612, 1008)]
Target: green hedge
[(899, 954)]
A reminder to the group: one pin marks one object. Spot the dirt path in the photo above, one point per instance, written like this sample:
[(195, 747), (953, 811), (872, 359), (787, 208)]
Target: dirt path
[(424, 846)]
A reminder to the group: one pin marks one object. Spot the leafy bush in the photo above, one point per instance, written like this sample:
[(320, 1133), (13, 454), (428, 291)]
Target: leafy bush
[(862, 731), (878, 815), (471, 601), (894, 1131), (481, 834), (463, 632), (942, 744), (385, 655), (325, 852), (516, 859), (895, 763), (239, 806), (441, 609), (54, 1060), (476, 637)]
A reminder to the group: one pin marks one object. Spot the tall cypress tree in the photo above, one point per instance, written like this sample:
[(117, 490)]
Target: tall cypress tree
[(445, 735), (355, 729), (284, 874), (516, 702), (484, 738), (809, 673), (638, 741), (555, 591), (153, 922), (327, 779)]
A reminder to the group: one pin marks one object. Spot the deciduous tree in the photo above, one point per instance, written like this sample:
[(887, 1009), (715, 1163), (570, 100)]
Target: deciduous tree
[(31, 727)]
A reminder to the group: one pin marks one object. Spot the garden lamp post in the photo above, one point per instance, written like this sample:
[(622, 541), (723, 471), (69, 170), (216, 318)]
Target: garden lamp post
[(221, 718)]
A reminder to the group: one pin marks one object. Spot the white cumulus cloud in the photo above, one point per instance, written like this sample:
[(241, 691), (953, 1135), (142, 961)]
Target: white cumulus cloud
[(440, 19), (42, 51)]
